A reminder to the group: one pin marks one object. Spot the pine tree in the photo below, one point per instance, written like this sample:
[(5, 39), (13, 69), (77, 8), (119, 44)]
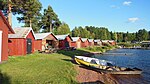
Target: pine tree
[(30, 13), (49, 20), (10, 6)]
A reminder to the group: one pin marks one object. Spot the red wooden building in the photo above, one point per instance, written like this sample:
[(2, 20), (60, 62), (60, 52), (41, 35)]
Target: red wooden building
[(64, 41), (76, 42), (5, 29), (98, 42), (22, 42), (91, 42), (85, 42), (112, 42), (43, 39), (105, 42)]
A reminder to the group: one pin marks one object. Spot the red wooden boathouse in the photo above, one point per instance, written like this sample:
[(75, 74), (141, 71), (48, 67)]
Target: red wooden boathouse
[(5, 29), (97, 42), (22, 42), (85, 42), (64, 41), (76, 42), (91, 42), (112, 42), (45, 38)]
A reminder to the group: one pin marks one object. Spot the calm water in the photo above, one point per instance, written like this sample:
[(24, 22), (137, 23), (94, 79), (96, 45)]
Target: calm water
[(130, 58)]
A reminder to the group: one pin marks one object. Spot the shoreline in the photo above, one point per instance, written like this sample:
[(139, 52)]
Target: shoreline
[(86, 75), (90, 76)]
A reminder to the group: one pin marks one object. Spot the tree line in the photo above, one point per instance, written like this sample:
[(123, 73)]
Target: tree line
[(29, 12), (104, 34)]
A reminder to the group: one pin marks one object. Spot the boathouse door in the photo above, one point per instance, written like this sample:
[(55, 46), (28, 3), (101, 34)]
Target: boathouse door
[(1, 46), (29, 45), (78, 44)]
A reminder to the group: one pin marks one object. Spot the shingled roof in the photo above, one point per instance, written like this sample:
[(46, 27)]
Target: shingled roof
[(84, 39), (62, 37), (97, 40), (74, 39), (21, 32), (42, 35), (91, 40)]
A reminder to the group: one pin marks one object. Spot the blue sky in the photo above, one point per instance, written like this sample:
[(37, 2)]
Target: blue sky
[(116, 15)]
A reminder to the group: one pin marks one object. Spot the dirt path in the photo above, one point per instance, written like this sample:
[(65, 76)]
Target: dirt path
[(89, 76)]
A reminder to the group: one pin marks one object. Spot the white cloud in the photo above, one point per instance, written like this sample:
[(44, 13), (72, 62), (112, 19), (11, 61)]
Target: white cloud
[(127, 3), (134, 19)]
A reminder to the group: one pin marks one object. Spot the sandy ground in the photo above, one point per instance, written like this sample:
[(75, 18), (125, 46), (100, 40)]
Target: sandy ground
[(88, 76)]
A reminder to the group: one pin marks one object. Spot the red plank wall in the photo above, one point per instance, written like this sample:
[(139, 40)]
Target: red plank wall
[(38, 44), (4, 30)]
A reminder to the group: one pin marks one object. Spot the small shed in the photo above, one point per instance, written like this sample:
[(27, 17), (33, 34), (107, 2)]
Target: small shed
[(97, 42), (22, 42), (76, 42), (5, 29), (43, 39), (112, 42), (64, 41), (91, 42), (104, 42), (85, 42)]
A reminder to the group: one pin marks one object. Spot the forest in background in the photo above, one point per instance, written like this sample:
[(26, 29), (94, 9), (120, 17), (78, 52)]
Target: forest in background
[(48, 21)]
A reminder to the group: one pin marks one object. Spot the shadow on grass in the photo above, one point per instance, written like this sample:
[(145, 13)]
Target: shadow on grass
[(4, 78), (74, 52)]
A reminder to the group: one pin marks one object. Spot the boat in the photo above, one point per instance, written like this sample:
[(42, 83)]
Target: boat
[(105, 66)]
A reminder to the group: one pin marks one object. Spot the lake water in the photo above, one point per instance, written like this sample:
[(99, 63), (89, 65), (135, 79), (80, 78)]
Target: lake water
[(130, 58)]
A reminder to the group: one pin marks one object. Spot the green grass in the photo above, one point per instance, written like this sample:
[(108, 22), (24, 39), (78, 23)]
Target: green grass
[(38, 69), (99, 49)]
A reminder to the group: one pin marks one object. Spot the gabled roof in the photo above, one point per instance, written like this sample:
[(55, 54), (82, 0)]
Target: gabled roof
[(43, 35), (62, 37), (111, 41), (84, 39), (97, 40), (10, 30), (21, 32), (91, 40), (75, 39), (105, 41)]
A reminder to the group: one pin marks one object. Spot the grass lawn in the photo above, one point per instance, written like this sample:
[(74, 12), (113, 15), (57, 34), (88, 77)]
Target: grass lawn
[(38, 69)]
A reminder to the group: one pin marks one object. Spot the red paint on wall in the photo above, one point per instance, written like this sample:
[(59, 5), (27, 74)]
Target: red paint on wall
[(65, 43), (18, 46), (85, 43), (38, 44), (6, 29), (112, 43), (77, 44)]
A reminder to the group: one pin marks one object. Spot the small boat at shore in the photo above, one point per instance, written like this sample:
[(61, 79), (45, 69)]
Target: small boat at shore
[(105, 66)]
